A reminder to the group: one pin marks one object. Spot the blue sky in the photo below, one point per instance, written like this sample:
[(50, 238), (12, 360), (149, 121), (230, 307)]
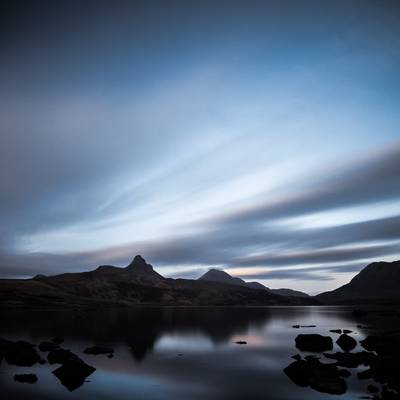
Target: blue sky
[(260, 137)]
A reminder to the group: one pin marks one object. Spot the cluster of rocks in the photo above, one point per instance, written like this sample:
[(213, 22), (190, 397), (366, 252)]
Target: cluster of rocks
[(72, 372), (381, 356)]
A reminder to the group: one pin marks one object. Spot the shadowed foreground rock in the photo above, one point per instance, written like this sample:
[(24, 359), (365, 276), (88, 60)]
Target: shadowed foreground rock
[(25, 378), (21, 354), (346, 342), (72, 373), (325, 378), (314, 342)]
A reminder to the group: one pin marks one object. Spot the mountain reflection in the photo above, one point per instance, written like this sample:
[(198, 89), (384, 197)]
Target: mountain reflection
[(139, 328)]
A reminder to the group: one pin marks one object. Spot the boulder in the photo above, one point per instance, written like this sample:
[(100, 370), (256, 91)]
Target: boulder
[(325, 378), (241, 342), (336, 331), (21, 354), (72, 373), (346, 342), (314, 342)]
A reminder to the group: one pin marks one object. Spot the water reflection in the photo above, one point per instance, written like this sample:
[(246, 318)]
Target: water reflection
[(163, 353)]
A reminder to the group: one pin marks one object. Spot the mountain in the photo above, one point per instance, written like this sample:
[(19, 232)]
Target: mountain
[(215, 275), (136, 284), (377, 282)]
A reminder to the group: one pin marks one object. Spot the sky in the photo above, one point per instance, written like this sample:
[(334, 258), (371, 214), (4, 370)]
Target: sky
[(258, 137)]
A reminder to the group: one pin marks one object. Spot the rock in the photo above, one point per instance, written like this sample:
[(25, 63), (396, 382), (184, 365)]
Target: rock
[(21, 354), (347, 331), (241, 342), (111, 355), (297, 357), (308, 326), (372, 389), (42, 362), (336, 331), (60, 356), (325, 378), (47, 346), (383, 344), (313, 342), (95, 350), (346, 342), (296, 326), (73, 373), (57, 339), (25, 378)]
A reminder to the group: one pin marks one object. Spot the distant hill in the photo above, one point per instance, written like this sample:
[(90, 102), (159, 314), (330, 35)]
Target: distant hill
[(377, 282), (136, 284), (215, 275)]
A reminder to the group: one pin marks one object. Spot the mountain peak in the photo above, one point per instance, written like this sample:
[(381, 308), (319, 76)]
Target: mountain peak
[(140, 265)]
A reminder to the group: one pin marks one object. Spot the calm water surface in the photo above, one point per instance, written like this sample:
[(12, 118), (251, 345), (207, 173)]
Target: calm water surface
[(177, 353)]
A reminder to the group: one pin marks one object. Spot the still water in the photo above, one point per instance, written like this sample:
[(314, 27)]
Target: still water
[(177, 353)]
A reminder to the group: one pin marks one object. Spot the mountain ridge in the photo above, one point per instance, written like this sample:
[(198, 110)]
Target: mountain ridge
[(216, 275)]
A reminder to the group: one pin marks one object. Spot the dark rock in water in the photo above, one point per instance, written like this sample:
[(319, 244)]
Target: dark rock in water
[(57, 339), (347, 331), (344, 373), (21, 354), (325, 378), (372, 389), (47, 346), (336, 331), (25, 378), (308, 326), (359, 313), (297, 357), (314, 342), (73, 373), (346, 342), (388, 344), (95, 350), (241, 342), (60, 356), (42, 362), (352, 360), (296, 326), (111, 355)]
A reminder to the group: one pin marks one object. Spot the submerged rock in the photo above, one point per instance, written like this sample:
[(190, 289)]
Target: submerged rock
[(325, 378), (72, 373), (346, 342), (241, 342), (314, 342), (95, 350), (25, 378)]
